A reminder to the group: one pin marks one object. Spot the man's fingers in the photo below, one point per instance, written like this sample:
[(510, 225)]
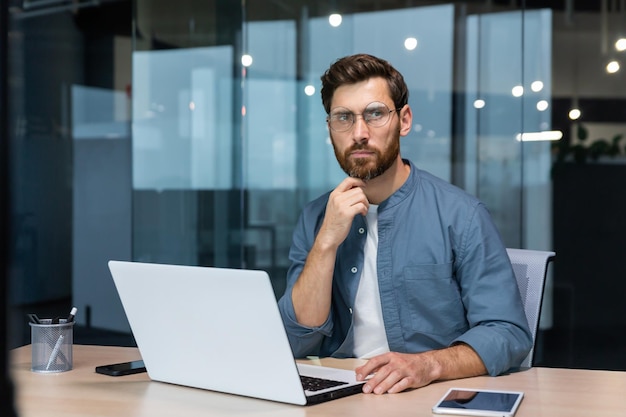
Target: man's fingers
[(392, 373), (399, 386), (349, 201), (388, 382), (382, 381), (349, 183), (369, 367)]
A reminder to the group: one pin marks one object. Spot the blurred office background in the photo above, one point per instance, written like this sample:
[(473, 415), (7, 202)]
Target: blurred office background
[(192, 132)]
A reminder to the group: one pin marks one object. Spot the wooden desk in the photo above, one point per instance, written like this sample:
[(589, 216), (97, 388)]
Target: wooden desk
[(83, 393)]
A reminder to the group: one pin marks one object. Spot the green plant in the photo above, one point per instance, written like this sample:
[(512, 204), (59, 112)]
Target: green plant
[(583, 149)]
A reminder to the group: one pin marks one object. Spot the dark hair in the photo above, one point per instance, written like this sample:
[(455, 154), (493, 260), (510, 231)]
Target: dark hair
[(360, 67)]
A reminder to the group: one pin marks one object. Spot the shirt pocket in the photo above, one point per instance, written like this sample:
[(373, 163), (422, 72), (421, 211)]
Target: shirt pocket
[(433, 300)]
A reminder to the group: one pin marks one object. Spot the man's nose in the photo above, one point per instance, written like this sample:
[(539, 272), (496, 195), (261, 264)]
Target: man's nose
[(361, 130)]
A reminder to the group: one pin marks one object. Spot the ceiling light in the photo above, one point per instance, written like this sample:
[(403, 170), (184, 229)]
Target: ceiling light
[(246, 60), (542, 105), (536, 86), (335, 19), (620, 45), (410, 43), (574, 114), (612, 67), (517, 91), (538, 136)]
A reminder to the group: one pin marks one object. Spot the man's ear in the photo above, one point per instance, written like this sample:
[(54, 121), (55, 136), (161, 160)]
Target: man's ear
[(406, 120)]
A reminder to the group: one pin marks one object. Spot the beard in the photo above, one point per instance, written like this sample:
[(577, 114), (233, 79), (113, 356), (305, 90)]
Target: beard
[(371, 166)]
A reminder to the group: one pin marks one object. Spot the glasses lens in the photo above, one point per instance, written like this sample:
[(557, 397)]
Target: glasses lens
[(376, 114), (341, 119)]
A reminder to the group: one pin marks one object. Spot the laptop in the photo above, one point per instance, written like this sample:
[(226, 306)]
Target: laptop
[(219, 329)]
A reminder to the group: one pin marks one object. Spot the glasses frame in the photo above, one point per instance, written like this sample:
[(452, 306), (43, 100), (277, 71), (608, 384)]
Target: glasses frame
[(354, 117)]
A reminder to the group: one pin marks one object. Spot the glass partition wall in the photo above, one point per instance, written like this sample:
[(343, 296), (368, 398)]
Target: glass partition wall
[(193, 133), (229, 137)]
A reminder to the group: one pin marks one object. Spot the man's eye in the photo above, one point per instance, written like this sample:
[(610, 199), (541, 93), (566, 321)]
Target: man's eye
[(374, 114), (342, 117)]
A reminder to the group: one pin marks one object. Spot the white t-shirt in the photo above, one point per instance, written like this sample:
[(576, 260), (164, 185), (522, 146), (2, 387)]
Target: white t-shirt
[(370, 338)]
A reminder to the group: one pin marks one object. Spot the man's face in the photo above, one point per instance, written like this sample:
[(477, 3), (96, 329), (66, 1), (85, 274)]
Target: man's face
[(365, 151)]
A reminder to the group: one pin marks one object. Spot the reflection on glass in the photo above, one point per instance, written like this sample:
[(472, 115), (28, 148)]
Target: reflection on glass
[(187, 108), (182, 122)]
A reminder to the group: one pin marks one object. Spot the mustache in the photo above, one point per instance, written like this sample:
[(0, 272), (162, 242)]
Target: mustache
[(359, 147)]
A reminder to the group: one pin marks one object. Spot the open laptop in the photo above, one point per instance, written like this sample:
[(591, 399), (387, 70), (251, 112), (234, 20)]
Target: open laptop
[(218, 329)]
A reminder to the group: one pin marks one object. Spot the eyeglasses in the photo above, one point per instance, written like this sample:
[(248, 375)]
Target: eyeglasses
[(376, 114)]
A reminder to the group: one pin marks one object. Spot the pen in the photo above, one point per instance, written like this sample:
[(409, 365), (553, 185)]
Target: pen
[(70, 318), (33, 318), (55, 351)]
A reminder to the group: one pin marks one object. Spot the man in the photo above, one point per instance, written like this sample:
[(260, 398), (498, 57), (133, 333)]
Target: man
[(396, 265)]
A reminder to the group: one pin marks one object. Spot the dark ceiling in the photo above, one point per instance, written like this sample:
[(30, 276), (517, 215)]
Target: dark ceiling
[(116, 16)]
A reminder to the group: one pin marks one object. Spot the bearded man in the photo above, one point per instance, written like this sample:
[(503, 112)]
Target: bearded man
[(396, 265)]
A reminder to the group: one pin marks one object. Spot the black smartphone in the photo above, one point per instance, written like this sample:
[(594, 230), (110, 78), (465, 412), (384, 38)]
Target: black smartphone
[(120, 369)]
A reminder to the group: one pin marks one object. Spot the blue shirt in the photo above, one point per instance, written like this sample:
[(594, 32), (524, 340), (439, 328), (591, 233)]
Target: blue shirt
[(443, 274)]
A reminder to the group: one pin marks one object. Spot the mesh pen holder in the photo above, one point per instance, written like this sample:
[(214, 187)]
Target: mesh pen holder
[(52, 346)]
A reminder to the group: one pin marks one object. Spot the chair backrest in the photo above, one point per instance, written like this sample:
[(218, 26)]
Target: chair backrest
[(530, 267)]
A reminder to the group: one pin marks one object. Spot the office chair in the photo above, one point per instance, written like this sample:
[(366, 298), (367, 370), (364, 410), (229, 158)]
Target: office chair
[(530, 268)]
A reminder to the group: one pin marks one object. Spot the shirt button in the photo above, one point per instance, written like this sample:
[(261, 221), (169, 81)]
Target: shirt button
[(354, 269), (361, 230)]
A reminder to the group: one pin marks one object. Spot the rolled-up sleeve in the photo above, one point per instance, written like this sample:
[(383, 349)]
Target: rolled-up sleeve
[(303, 340), (498, 330)]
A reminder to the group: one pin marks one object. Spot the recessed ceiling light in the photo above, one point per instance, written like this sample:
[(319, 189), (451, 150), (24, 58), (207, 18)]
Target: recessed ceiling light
[(612, 67), (335, 19)]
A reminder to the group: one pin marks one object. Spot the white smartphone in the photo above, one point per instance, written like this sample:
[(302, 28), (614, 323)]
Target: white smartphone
[(479, 402)]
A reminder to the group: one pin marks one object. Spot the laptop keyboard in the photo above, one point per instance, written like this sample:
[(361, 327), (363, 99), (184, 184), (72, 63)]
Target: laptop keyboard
[(316, 384)]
